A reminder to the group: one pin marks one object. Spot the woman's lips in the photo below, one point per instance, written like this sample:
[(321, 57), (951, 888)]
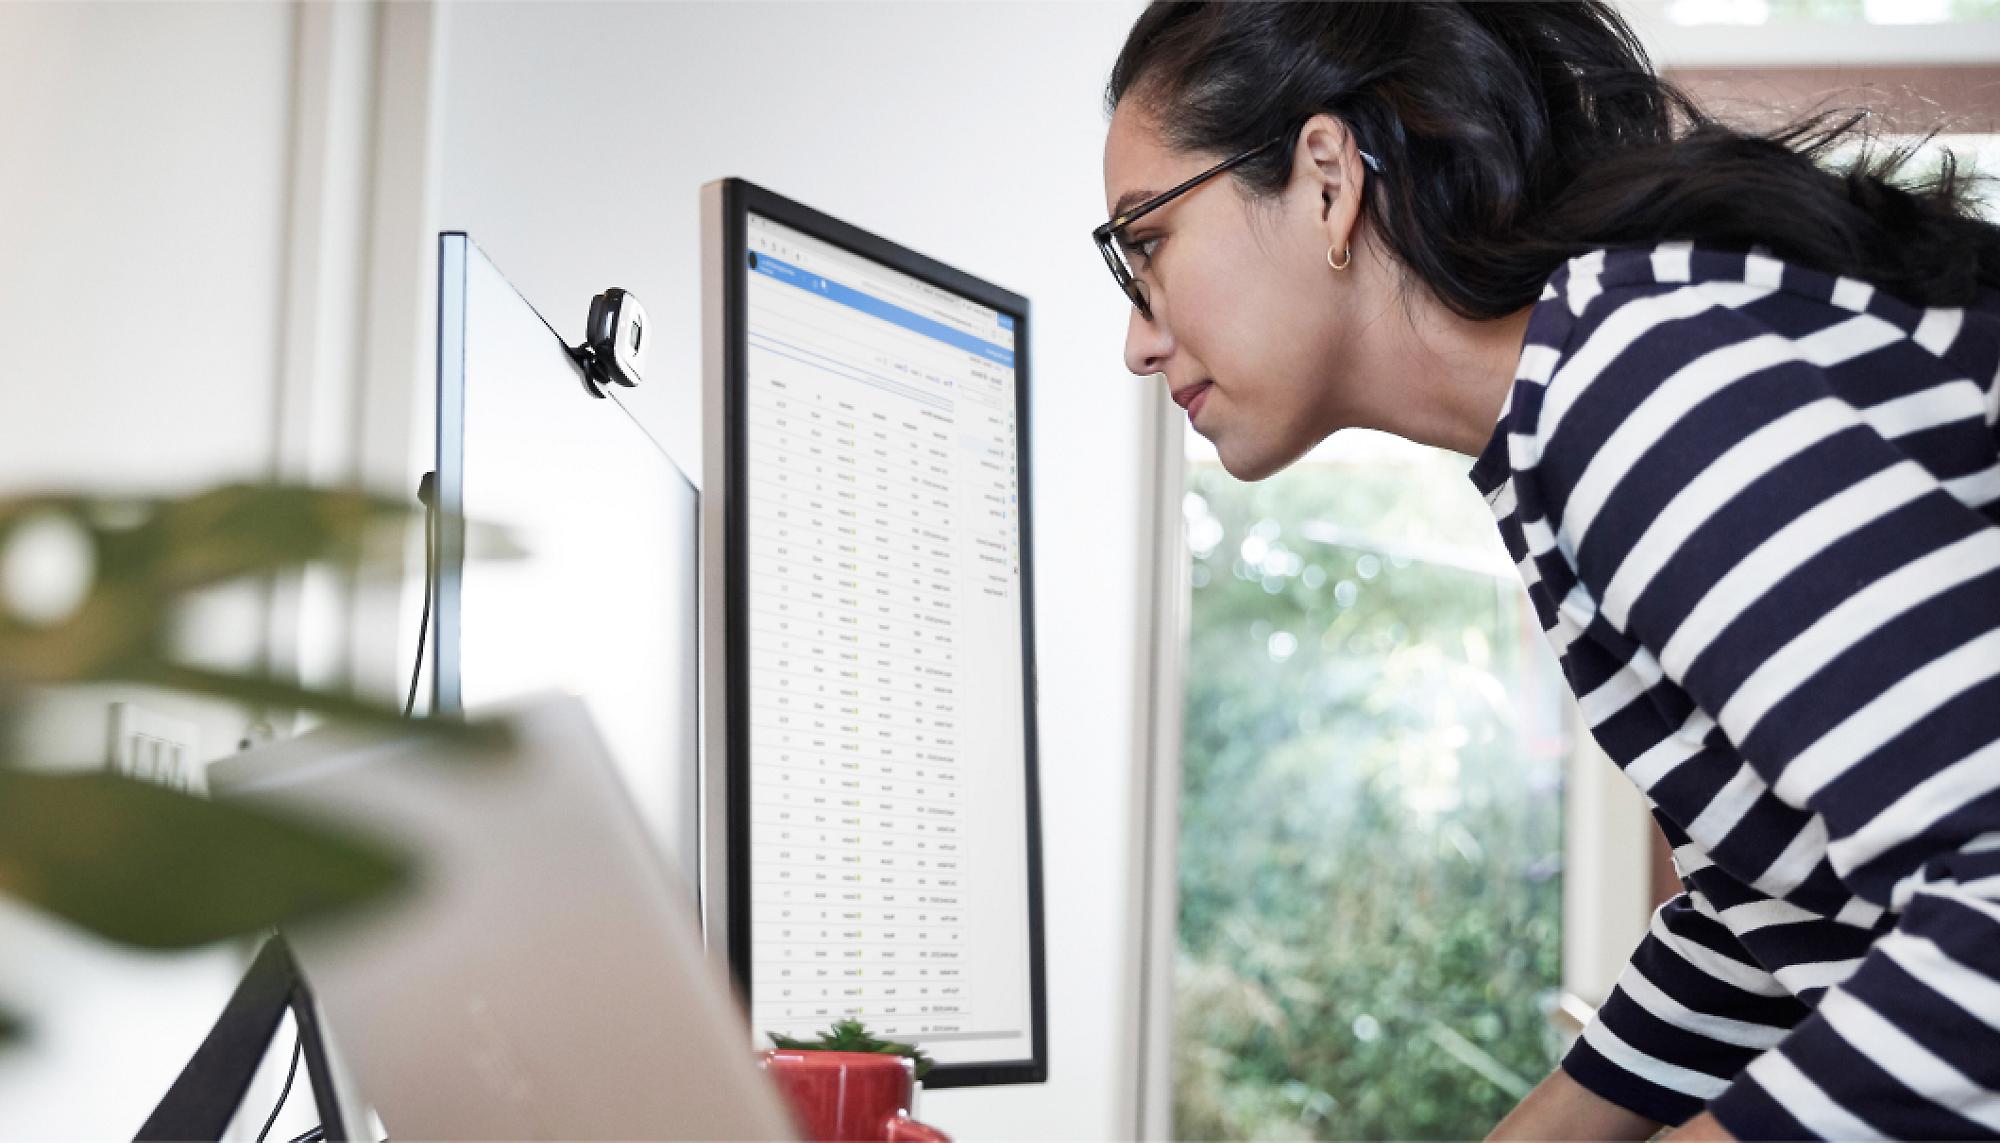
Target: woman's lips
[(1193, 397)]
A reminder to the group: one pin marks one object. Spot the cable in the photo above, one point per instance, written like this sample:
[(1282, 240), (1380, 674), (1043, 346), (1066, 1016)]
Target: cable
[(291, 1073), (317, 1133), (426, 492)]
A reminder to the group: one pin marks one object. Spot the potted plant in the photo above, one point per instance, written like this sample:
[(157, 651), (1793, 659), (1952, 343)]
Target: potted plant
[(849, 1085), (851, 1036)]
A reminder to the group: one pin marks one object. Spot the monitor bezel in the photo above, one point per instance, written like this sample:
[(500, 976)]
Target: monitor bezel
[(449, 457), (725, 806)]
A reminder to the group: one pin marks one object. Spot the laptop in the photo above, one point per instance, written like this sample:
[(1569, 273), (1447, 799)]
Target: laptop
[(544, 977)]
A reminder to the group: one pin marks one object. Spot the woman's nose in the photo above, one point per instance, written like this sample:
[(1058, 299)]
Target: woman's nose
[(1147, 344)]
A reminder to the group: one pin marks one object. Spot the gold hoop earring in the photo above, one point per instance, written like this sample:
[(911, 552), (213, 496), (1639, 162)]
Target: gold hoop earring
[(1346, 258)]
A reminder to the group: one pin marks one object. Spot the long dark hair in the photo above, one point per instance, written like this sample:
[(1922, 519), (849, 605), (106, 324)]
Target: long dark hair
[(1514, 136)]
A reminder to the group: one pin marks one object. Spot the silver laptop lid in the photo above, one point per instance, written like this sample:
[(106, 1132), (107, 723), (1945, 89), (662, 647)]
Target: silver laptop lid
[(545, 977)]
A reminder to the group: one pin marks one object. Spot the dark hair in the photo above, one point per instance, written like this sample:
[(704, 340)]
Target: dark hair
[(1514, 136)]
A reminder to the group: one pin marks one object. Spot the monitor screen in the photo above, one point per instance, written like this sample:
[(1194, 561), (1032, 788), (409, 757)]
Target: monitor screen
[(602, 601), (881, 717)]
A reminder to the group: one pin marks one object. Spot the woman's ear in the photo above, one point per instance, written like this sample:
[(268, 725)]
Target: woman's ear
[(1330, 168)]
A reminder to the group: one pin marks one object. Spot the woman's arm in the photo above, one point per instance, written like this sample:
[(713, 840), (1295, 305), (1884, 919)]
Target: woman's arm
[(1561, 1108)]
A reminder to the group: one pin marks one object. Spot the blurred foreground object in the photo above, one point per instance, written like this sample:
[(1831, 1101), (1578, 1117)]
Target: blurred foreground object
[(90, 587), (545, 976)]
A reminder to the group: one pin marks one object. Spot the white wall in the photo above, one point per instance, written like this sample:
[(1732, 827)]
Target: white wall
[(575, 138), (143, 159)]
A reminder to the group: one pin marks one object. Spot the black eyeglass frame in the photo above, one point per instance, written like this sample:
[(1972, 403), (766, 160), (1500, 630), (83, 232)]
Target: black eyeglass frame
[(1109, 237)]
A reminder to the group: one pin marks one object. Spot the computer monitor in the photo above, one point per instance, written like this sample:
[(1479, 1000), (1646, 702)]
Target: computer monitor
[(870, 834), (602, 603)]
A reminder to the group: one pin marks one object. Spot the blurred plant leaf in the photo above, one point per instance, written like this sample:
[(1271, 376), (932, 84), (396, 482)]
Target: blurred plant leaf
[(151, 552), (140, 864), (243, 529), (146, 866)]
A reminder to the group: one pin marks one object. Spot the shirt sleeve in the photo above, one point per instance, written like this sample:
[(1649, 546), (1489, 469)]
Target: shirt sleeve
[(1690, 1011), (1770, 542)]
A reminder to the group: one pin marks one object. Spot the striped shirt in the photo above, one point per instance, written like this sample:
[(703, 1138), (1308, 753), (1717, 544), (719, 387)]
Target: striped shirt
[(1757, 509)]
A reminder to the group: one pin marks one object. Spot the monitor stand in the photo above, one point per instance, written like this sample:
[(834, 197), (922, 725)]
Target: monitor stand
[(210, 1088)]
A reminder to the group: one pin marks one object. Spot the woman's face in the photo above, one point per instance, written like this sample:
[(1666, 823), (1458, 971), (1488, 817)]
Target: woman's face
[(1250, 324)]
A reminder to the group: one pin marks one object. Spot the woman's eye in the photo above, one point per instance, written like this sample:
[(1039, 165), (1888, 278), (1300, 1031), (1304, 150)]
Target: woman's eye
[(1141, 248)]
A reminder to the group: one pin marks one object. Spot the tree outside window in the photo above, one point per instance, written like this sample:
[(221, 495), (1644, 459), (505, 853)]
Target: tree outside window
[(1370, 842)]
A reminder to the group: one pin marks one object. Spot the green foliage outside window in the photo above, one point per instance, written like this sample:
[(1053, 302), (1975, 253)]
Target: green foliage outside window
[(1370, 840)]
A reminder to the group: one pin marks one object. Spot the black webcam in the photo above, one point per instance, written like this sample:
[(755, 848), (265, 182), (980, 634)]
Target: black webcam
[(614, 342)]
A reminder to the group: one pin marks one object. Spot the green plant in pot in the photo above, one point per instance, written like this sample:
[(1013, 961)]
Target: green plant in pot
[(97, 849), (851, 1036), (849, 1087)]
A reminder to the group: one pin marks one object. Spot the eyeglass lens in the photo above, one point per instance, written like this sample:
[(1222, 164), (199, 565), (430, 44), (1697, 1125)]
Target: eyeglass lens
[(1121, 269)]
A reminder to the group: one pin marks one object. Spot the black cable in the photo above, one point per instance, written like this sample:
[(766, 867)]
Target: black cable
[(298, 1045), (426, 492), (317, 1133)]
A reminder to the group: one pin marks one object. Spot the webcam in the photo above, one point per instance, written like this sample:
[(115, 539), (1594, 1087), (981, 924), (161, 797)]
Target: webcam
[(614, 342)]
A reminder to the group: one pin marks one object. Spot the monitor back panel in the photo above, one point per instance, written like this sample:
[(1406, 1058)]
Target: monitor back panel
[(602, 601)]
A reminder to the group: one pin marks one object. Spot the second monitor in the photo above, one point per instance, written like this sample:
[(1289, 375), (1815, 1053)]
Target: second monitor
[(870, 843)]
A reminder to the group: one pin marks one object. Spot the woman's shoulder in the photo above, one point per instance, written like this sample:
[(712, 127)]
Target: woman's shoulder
[(1753, 286), (1713, 344)]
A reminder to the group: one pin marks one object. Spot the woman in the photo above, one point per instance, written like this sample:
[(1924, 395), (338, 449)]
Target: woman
[(1734, 413)]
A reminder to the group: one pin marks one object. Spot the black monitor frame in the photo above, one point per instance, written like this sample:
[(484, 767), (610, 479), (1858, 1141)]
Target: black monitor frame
[(725, 800)]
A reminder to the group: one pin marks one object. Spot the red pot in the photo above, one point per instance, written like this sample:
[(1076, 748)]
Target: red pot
[(836, 1097)]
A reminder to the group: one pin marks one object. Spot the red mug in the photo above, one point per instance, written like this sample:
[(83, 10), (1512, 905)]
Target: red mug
[(838, 1097)]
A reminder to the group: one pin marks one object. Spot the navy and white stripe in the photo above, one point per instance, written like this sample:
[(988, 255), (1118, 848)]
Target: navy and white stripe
[(1757, 509)]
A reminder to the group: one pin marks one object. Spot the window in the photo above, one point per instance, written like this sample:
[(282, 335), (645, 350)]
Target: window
[(1371, 816), (1696, 12)]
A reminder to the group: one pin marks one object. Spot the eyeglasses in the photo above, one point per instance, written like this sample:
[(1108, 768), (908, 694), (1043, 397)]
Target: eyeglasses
[(1110, 237)]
